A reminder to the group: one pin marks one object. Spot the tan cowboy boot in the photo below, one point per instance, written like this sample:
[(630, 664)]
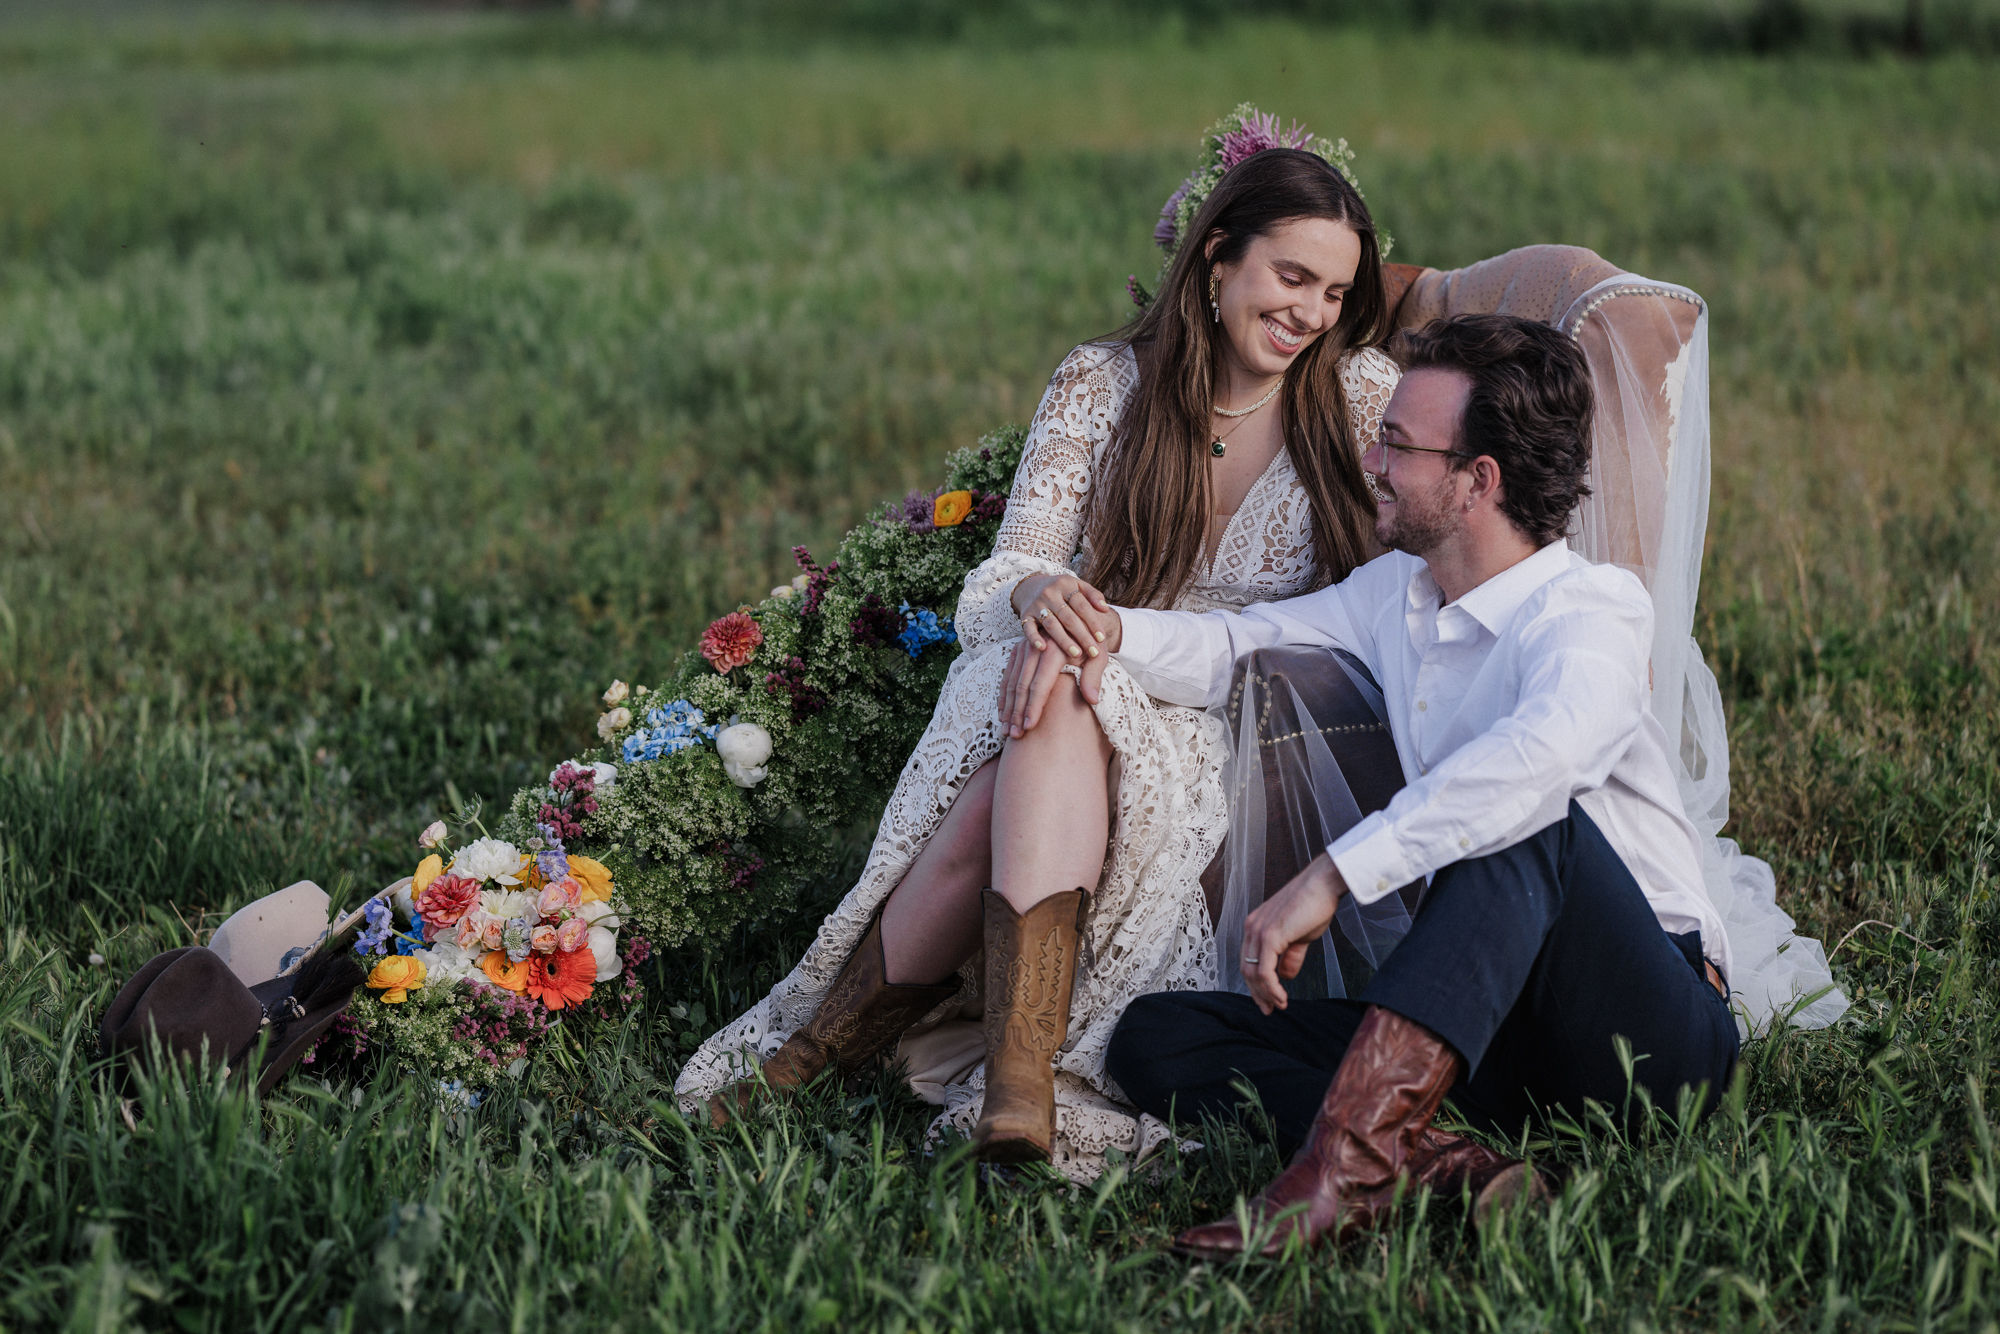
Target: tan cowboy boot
[(862, 1015), (1030, 969), (1343, 1181)]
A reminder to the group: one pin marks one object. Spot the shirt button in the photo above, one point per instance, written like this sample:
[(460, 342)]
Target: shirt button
[(1381, 884), (1421, 706), (1464, 843)]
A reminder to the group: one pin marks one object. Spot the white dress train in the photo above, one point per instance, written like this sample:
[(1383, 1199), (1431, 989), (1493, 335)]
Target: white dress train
[(1147, 928)]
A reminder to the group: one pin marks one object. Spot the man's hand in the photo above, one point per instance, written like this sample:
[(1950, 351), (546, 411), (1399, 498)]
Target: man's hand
[(1276, 935)]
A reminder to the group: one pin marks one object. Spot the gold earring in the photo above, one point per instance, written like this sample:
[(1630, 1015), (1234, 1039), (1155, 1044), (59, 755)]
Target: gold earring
[(1215, 294)]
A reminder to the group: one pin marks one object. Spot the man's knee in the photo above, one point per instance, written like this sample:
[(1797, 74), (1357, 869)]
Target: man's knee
[(1133, 1056)]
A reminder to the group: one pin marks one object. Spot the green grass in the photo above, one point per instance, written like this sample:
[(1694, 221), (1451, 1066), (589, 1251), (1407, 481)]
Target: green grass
[(367, 402)]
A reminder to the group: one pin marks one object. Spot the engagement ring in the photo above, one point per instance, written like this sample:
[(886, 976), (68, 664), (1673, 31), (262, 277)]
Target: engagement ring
[(1044, 612)]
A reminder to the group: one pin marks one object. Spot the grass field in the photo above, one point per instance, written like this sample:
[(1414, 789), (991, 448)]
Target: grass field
[(374, 387)]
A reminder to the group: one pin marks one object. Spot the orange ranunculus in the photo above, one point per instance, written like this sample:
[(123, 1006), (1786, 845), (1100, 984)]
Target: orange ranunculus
[(557, 980), (593, 876), (396, 977), (951, 508), (429, 869), (504, 972)]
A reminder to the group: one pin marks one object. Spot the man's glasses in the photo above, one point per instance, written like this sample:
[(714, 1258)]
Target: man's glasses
[(1388, 445)]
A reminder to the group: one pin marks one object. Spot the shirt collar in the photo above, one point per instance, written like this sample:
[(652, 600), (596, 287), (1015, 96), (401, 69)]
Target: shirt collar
[(1494, 602)]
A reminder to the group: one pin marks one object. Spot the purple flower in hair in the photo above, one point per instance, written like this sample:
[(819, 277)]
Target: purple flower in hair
[(1260, 131)]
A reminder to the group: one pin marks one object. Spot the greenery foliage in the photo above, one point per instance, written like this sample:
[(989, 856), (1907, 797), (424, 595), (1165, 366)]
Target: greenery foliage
[(376, 384)]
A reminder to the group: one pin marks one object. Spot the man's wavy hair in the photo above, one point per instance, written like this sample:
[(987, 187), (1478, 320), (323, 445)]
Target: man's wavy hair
[(1529, 410)]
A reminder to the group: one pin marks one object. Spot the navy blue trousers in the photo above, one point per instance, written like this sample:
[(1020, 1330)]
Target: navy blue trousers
[(1529, 963)]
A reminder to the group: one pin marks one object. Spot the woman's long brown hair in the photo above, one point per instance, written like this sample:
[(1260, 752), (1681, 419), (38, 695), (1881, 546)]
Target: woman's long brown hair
[(1149, 511)]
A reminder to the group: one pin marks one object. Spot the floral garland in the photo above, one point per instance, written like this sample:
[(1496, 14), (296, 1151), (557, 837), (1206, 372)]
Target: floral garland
[(1238, 135), (731, 781)]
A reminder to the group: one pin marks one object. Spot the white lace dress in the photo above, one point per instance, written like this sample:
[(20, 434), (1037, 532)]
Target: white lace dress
[(1147, 928)]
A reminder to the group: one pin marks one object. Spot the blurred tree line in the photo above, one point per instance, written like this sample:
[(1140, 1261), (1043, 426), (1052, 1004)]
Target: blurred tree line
[(1763, 27)]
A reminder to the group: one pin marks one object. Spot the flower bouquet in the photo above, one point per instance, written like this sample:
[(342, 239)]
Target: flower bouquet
[(473, 957)]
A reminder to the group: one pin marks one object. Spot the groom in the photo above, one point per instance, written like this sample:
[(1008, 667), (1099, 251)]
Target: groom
[(1566, 948)]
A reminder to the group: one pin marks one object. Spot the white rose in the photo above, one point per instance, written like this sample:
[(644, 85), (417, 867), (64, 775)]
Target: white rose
[(616, 694), (609, 724), (744, 748), (432, 836), (784, 591), (604, 949), (489, 859), (598, 913)]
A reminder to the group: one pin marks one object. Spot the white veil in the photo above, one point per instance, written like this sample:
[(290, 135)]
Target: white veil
[(1647, 346)]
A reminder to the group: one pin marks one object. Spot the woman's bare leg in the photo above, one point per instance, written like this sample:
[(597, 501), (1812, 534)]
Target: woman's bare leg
[(931, 922), (1051, 805)]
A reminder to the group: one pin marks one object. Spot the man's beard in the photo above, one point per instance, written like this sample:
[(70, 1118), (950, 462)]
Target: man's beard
[(1422, 520)]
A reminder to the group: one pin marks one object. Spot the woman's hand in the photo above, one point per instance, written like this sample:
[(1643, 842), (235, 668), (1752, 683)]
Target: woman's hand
[(1063, 610), (1032, 674), (1276, 935)]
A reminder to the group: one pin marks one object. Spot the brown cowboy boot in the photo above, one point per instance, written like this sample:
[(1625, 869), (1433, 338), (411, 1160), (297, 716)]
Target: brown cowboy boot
[(862, 1015), (1389, 1085), (1448, 1164), (1030, 968)]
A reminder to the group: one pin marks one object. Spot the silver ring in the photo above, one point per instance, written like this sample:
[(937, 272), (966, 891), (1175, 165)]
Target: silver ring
[(1071, 669), (1250, 958)]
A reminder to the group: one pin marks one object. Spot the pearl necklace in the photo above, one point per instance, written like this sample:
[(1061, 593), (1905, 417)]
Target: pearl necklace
[(1219, 446)]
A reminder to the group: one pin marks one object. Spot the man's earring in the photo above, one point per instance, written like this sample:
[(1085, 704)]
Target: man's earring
[(1215, 294)]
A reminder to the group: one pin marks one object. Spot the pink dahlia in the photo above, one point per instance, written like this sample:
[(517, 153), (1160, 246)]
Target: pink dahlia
[(446, 899), (731, 641)]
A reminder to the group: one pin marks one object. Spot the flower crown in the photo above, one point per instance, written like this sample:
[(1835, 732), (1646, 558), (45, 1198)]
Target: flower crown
[(1235, 137)]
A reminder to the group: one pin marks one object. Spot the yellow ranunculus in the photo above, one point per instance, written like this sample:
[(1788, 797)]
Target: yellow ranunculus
[(951, 509), (429, 869), (504, 972), (594, 876), (396, 977)]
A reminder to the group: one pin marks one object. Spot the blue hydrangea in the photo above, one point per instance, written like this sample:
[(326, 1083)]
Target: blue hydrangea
[(922, 628), (669, 729)]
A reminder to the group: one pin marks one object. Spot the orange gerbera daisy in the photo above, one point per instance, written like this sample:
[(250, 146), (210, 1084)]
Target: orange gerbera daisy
[(557, 980), (504, 972)]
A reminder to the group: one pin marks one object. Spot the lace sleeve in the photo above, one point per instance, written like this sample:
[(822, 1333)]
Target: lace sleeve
[(1369, 378), (1043, 525)]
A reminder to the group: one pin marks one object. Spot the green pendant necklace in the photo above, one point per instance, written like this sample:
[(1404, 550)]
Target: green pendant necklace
[(1220, 445)]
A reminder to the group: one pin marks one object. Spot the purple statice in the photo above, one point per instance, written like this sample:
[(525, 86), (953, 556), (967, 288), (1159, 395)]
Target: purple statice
[(877, 624), (790, 680), (1166, 232), (917, 512), (990, 505)]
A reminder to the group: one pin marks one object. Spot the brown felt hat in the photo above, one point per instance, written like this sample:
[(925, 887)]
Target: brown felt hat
[(192, 1002)]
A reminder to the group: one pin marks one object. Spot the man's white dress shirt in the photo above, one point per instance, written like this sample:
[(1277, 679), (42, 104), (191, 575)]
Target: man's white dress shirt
[(1528, 691)]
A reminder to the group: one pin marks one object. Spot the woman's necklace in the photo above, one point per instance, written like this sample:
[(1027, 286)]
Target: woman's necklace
[(1220, 445)]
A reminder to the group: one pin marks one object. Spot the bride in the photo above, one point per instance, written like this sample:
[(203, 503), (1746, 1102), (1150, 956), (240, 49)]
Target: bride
[(1207, 455)]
